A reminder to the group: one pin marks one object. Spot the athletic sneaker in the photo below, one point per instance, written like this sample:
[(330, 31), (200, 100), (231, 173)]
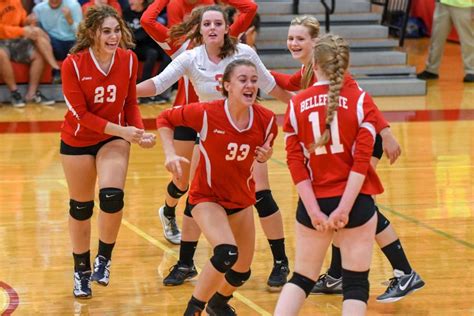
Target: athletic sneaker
[(39, 98), (101, 273), (170, 228), (326, 284), (401, 285), (218, 307), (192, 310), (278, 276), (82, 285), (179, 273), (17, 100)]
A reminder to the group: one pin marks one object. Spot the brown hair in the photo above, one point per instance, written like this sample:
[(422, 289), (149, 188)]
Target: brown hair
[(229, 69), (312, 25), (331, 54), (88, 27), (190, 29)]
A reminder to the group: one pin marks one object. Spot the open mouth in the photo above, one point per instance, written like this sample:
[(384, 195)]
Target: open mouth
[(111, 45), (248, 95), (212, 35)]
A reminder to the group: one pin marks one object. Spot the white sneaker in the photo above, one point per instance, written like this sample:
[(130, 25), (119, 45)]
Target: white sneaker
[(170, 228)]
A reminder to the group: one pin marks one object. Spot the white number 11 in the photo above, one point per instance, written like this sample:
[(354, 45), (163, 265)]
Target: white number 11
[(336, 146)]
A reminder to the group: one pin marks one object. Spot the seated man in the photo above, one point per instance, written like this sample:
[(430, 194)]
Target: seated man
[(22, 42), (60, 19)]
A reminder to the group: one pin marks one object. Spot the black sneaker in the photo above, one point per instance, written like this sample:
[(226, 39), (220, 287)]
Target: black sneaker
[(82, 285), (220, 309), (278, 276), (17, 100), (468, 78), (158, 99), (400, 286), (426, 75), (326, 284), (101, 273), (39, 98), (179, 273), (192, 310)]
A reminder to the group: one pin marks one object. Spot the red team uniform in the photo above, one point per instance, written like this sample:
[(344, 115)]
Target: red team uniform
[(178, 10), (95, 98), (224, 173), (350, 145), (293, 83)]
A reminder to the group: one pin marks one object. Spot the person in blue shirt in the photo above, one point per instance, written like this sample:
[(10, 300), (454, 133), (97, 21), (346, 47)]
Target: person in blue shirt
[(60, 19)]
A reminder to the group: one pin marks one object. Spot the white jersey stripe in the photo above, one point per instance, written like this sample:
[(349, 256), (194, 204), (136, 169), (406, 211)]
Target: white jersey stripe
[(76, 69), (360, 108)]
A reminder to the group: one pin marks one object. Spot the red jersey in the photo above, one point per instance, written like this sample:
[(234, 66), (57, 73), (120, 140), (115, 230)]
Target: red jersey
[(224, 172), (177, 10), (95, 98), (350, 145), (293, 83)]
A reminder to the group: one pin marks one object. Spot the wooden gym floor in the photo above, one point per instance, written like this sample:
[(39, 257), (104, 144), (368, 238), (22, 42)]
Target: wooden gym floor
[(429, 199)]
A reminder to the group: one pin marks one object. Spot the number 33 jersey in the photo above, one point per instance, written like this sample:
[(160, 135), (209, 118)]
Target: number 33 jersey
[(227, 152), (350, 146), (95, 97)]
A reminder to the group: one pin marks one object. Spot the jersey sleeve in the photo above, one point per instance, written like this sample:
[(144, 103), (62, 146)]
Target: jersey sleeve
[(365, 139), (132, 112), (175, 70), (265, 79), (295, 157), (286, 81), (157, 31), (76, 101), (190, 115), (246, 12)]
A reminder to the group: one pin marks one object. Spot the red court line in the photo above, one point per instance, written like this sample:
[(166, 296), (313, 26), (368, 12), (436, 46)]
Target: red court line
[(13, 299), (391, 116)]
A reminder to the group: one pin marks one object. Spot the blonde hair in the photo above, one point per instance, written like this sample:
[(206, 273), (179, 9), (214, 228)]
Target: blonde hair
[(190, 29), (312, 25), (331, 54), (88, 27)]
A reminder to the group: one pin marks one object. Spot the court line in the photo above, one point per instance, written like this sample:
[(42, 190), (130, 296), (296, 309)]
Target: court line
[(411, 219), (433, 229), (165, 248)]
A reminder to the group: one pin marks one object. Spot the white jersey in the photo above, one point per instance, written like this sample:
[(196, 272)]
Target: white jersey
[(205, 75)]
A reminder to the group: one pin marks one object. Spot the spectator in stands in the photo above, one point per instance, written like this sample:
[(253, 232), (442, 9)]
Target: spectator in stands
[(23, 42), (60, 19), (448, 12), (113, 3), (147, 50)]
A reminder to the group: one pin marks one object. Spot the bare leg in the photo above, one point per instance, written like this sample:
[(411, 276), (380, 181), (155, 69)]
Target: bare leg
[(36, 71), (6, 70)]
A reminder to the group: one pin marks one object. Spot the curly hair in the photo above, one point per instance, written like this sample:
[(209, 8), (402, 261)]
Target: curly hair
[(92, 22), (331, 54)]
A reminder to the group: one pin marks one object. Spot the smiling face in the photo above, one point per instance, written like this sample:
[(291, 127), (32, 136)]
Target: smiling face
[(213, 28), (108, 36), (242, 86), (300, 43)]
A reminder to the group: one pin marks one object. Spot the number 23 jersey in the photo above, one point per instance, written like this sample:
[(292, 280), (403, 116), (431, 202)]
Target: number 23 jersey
[(94, 97), (224, 173)]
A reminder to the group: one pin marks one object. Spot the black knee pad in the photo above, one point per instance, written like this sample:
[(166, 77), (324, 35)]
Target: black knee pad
[(382, 221), (237, 279), (225, 256), (174, 191), (378, 147), (355, 285), (81, 211), (265, 204), (111, 200), (306, 284)]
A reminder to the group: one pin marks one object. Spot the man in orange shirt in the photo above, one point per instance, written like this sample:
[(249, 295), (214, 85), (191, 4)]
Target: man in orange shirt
[(23, 42)]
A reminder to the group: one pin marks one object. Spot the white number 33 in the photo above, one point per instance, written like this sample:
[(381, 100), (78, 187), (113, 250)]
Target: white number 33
[(237, 152)]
